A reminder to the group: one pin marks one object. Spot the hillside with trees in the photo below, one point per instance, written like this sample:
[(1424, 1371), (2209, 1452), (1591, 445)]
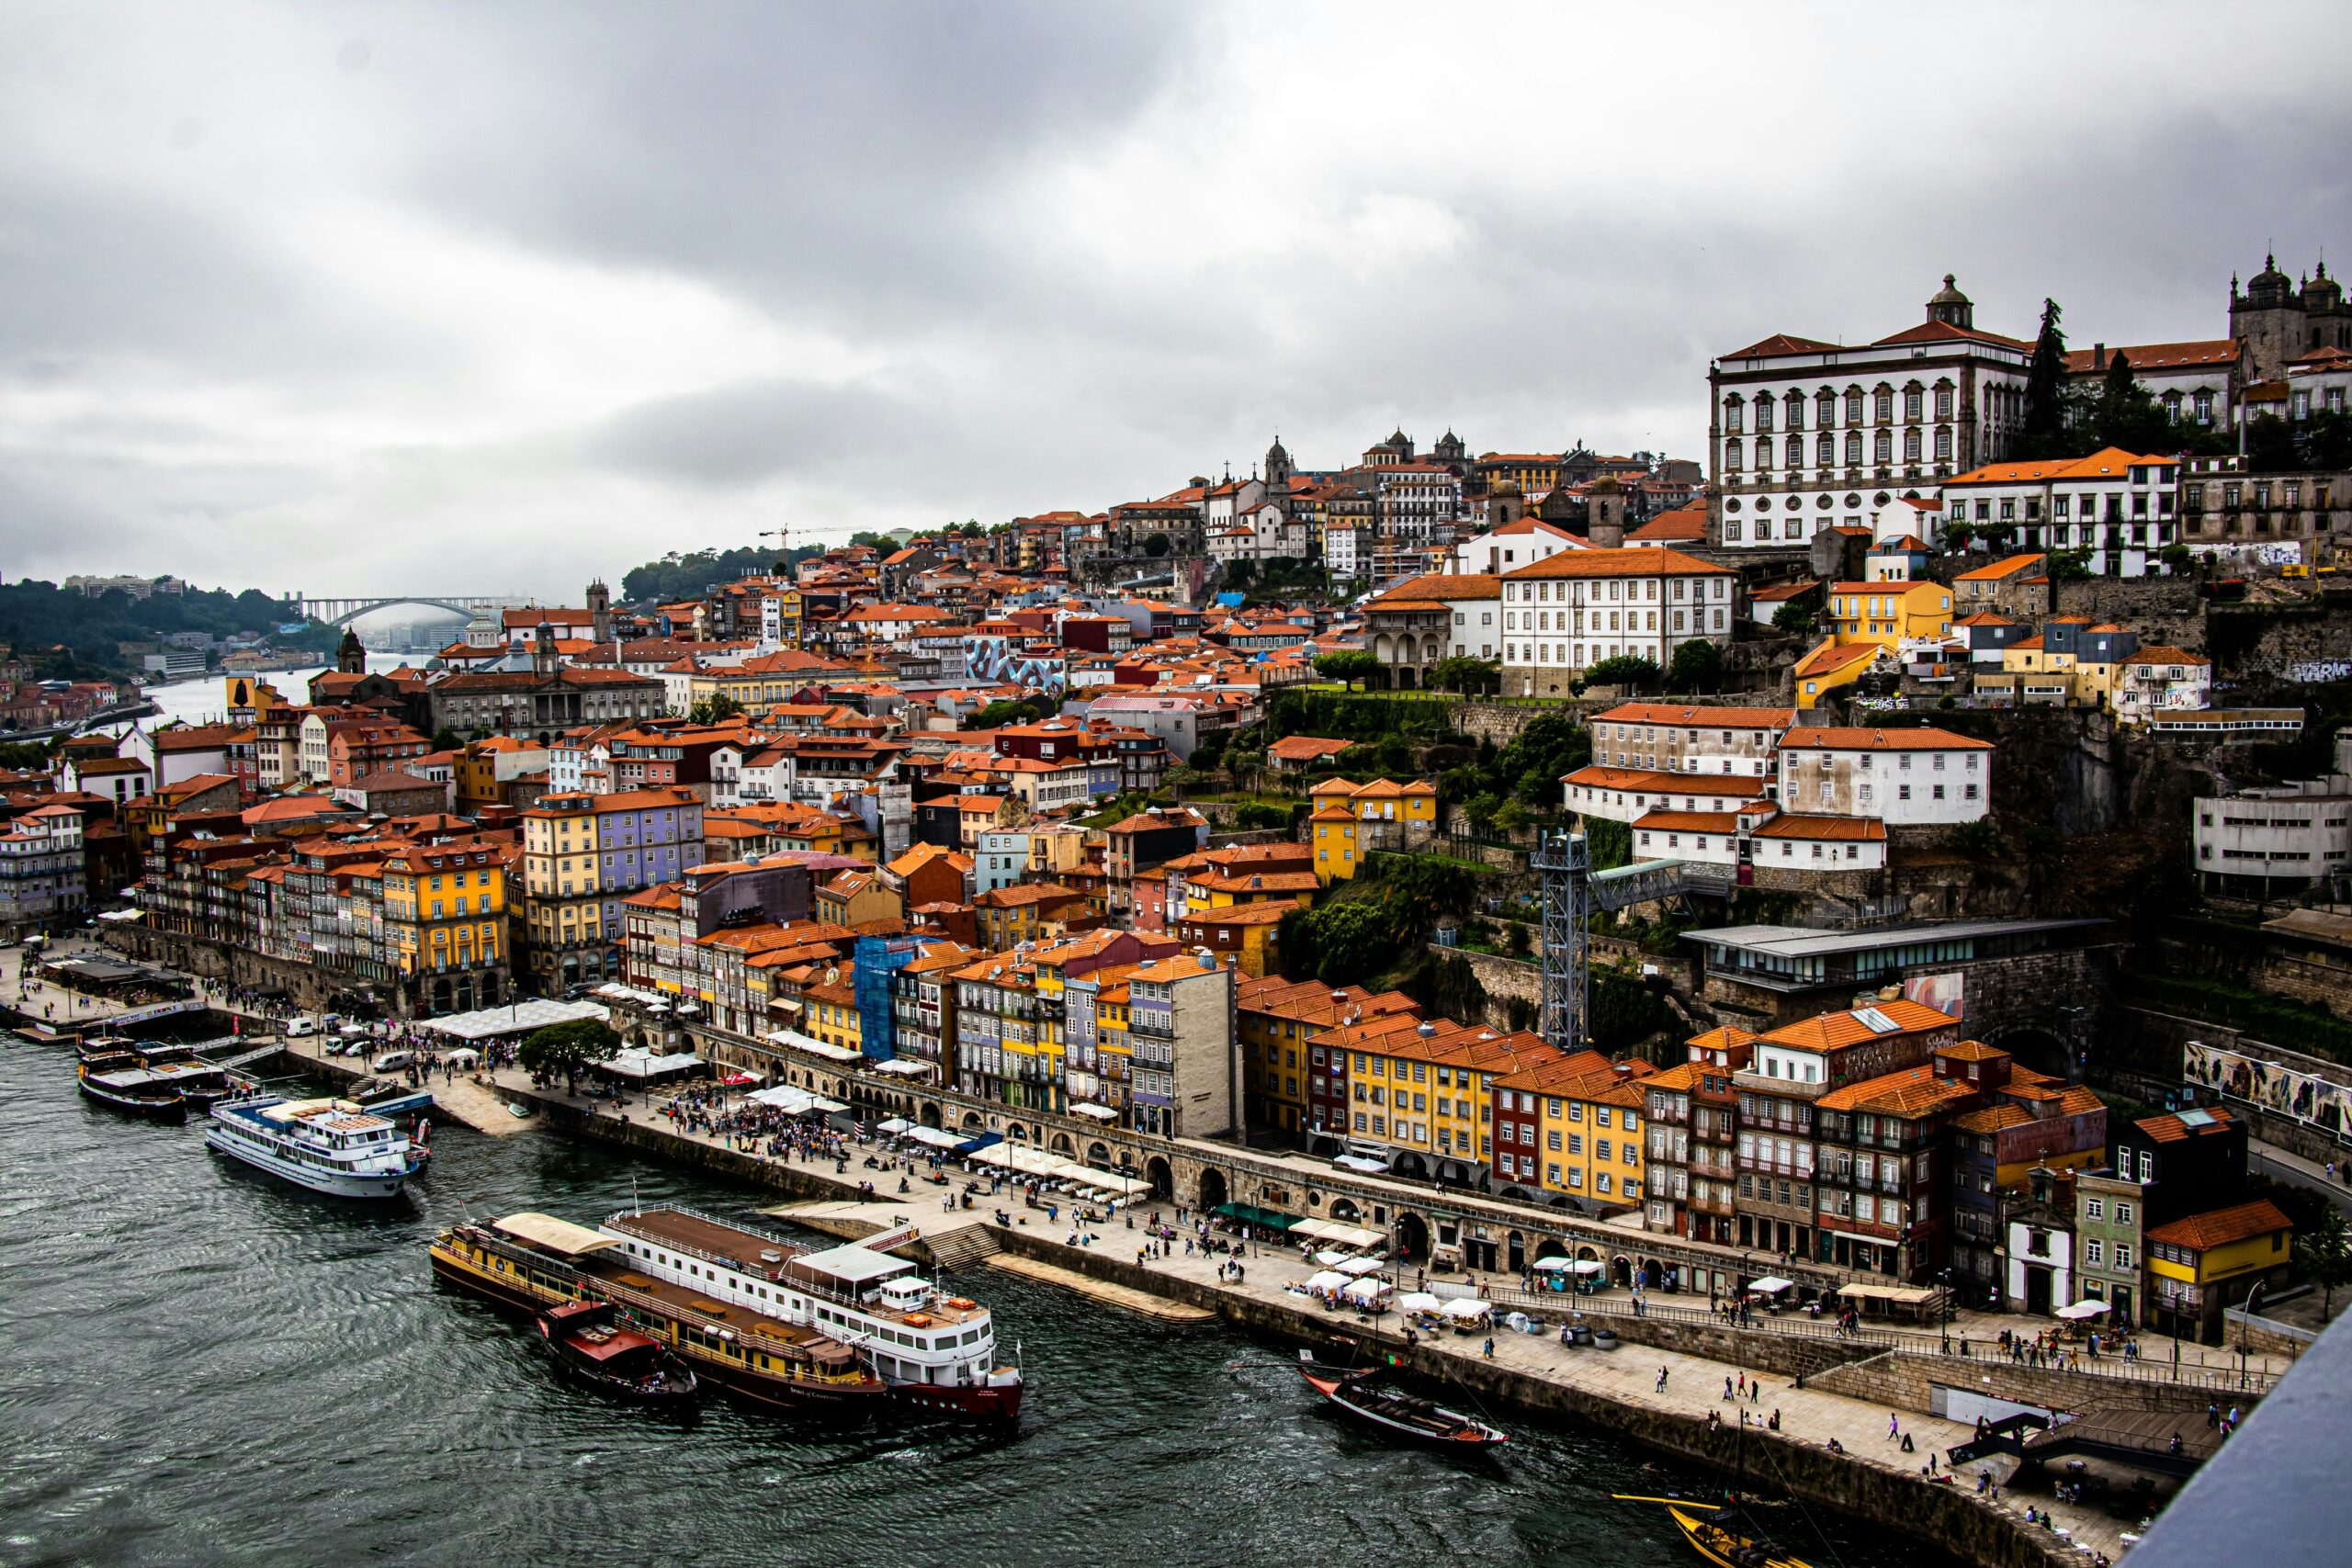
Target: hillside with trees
[(64, 633)]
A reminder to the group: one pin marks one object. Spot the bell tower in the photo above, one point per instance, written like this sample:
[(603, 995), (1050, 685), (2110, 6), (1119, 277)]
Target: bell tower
[(600, 610)]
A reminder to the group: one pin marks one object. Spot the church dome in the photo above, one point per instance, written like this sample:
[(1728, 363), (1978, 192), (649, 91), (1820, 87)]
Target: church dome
[(2269, 286), (1949, 294)]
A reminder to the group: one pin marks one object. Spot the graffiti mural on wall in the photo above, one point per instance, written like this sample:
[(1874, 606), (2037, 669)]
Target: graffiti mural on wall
[(2282, 1090)]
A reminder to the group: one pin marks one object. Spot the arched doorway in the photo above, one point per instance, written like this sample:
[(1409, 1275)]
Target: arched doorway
[(1155, 1170), (1097, 1154), (929, 1115), (1062, 1143), (1620, 1271), (1515, 1251), (1017, 1131), (1550, 1247), (2037, 1048), (1344, 1210), (1412, 1234), (972, 1122), (1214, 1195)]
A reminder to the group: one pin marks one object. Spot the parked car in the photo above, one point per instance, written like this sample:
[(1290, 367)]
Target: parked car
[(392, 1062)]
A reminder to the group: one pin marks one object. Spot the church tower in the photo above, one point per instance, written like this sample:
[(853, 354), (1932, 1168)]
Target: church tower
[(2268, 319), (600, 610), (350, 657), (1279, 472), (1604, 526), (543, 660)]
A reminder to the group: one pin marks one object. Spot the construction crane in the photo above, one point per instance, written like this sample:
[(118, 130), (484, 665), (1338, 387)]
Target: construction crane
[(1565, 1018), (782, 535)]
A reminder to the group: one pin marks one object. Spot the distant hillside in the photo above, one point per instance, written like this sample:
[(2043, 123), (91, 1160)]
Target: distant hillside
[(36, 616), (675, 577)]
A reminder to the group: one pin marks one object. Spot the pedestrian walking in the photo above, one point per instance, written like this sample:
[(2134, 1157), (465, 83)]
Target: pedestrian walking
[(1727, 1392), (1894, 1429), (1661, 1380)]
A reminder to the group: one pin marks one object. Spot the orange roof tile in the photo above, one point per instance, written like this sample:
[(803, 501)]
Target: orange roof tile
[(2219, 1228)]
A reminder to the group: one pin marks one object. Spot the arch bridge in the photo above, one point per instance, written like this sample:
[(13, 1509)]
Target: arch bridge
[(342, 612)]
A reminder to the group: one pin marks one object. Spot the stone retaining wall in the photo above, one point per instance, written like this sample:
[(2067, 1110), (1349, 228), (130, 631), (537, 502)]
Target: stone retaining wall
[(1903, 1380), (1942, 1516)]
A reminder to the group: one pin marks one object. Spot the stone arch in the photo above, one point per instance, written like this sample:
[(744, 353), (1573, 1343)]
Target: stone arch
[(1017, 1131), (1620, 1271), (1155, 1170), (1344, 1210), (1587, 1255), (1097, 1154), (2039, 1043), (1383, 648), (1515, 1252), (972, 1122), (1214, 1192), (1412, 1234), (928, 1113), (1550, 1246), (1065, 1145), (1650, 1274)]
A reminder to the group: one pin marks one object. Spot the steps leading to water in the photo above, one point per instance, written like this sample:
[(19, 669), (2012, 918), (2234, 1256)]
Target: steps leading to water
[(962, 1249)]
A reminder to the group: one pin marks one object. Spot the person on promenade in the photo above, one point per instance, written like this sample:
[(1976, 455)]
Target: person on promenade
[(1893, 1427), (1727, 1392), (1661, 1380)]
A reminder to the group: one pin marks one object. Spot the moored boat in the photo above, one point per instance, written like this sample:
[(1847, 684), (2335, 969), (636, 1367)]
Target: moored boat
[(589, 1341), (936, 1352), (538, 1262), (1402, 1413), (132, 1091), (324, 1145)]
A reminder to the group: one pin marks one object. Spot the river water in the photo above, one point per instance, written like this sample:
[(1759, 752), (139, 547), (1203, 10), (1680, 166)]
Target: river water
[(204, 1367), (205, 699)]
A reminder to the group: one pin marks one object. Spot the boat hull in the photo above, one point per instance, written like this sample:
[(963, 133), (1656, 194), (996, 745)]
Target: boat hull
[(846, 1402), (334, 1184), (1724, 1547), (1340, 1388), (991, 1403), (152, 1109)]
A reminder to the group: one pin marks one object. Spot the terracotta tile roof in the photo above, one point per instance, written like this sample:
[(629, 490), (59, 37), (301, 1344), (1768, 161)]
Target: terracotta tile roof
[(1725, 1037), (1698, 717), (1781, 344), (1830, 657), (1696, 786), (1971, 1051), (1922, 737), (1687, 822), (1832, 1031), (2108, 463), (2219, 352), (2008, 565), (1639, 561), (2170, 1129), (2201, 1233), (1913, 1091), (1794, 826)]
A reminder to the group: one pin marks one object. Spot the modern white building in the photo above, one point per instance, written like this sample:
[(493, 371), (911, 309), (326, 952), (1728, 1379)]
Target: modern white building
[(1904, 777), (2275, 838), (1579, 607), (1806, 434)]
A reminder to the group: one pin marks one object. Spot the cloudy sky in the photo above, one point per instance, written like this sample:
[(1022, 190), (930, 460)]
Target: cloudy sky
[(490, 296)]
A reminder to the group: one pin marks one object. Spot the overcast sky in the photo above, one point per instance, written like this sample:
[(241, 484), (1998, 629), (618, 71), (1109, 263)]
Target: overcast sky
[(490, 296)]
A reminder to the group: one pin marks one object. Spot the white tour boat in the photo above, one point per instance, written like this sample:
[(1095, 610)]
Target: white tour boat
[(327, 1146), (936, 1351)]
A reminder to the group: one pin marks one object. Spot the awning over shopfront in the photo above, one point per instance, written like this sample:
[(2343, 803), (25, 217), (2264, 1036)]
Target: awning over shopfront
[(1250, 1214), (1335, 1232), (644, 1066), (2081, 1310), (1902, 1295)]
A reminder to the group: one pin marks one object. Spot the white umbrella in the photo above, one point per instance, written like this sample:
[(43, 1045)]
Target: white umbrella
[(1359, 1266), (1463, 1309), (1326, 1280), (2081, 1310), (1419, 1300), (1367, 1291)]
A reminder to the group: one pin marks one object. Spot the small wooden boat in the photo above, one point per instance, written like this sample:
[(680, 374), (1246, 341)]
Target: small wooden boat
[(1719, 1534), (134, 1091), (1420, 1419), (591, 1342)]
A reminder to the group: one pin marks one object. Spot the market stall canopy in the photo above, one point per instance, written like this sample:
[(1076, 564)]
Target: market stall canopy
[(1901, 1294), (1359, 1266), (521, 1017), (463, 1057), (1327, 1280), (1464, 1309), (795, 1102), (2081, 1310), (895, 1124), (639, 1062), (904, 1067), (1586, 1266), (793, 1039), (1418, 1301), (1099, 1112), (1250, 1214), (1331, 1257), (1771, 1285), (1367, 1291), (1336, 1233), (931, 1137), (1358, 1162), (613, 990), (1550, 1265)]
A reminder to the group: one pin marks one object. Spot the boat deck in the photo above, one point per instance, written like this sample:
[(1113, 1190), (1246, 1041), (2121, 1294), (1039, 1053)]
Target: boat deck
[(692, 1307), (741, 1249)]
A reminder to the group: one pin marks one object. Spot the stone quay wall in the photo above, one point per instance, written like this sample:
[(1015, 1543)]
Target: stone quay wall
[(1905, 1380)]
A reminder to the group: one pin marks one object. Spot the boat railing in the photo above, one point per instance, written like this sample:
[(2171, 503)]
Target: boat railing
[(599, 1287), (751, 1265)]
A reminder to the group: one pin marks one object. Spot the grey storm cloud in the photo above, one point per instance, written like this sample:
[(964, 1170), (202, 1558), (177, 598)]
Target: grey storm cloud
[(359, 296)]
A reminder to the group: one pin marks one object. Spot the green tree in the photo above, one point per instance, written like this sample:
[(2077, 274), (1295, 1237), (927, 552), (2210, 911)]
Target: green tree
[(2177, 557), (2127, 415), (2323, 1254), (1796, 615), (1348, 664), (1471, 676), (1480, 810), (1697, 666), (715, 708), (1517, 943), (1009, 710), (568, 1048), (24, 756), (1238, 573), (445, 739), (1509, 817), (2069, 566), (1607, 844), (2043, 431), (1624, 670), (2270, 445)]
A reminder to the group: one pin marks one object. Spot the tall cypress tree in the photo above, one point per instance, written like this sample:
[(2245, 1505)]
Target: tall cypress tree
[(2043, 433)]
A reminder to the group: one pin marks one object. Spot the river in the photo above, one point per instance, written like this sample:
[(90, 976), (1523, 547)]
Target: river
[(204, 1367), (205, 699)]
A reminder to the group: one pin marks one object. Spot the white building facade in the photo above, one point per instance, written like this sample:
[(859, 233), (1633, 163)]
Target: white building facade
[(1564, 615)]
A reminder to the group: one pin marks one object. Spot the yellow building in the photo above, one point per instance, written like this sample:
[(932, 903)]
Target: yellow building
[(853, 898), (562, 902), (445, 923), (828, 1012), (1889, 613), (1334, 843), (2201, 1265), (1586, 1116), (1278, 1024), (1833, 665), (1214, 887), (1382, 800), (1423, 1089)]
